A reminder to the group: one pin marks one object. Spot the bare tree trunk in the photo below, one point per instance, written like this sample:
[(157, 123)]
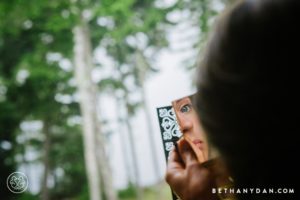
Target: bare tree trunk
[(143, 66), (46, 148), (97, 164), (123, 140), (158, 187), (105, 170), (150, 133), (139, 189), (84, 84)]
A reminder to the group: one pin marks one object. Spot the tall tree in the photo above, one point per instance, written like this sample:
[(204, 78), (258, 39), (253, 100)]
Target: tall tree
[(93, 139), (143, 67), (148, 22), (30, 36), (88, 104), (46, 162)]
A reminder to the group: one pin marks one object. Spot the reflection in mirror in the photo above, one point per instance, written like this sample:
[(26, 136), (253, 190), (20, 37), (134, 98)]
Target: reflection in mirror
[(191, 128)]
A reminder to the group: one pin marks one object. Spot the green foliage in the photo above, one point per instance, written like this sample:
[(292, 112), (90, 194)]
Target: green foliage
[(29, 32), (84, 195), (27, 196), (31, 83), (202, 14), (128, 192), (70, 161)]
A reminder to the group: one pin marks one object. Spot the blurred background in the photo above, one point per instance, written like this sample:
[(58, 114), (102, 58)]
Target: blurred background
[(80, 81)]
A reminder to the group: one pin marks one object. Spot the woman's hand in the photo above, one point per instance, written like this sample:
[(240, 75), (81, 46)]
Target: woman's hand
[(187, 177)]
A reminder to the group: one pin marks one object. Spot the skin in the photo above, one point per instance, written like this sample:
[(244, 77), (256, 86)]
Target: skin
[(181, 168), (194, 180), (191, 128), (190, 173)]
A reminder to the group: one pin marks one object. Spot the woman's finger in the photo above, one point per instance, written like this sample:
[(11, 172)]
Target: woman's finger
[(175, 168), (187, 153), (199, 153), (174, 161)]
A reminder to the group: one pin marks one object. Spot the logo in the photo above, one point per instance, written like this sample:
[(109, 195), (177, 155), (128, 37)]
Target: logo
[(17, 182)]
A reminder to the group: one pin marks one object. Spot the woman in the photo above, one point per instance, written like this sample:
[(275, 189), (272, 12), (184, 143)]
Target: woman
[(247, 102), (191, 129)]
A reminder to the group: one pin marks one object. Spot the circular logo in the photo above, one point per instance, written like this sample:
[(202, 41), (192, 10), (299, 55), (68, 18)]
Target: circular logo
[(17, 182)]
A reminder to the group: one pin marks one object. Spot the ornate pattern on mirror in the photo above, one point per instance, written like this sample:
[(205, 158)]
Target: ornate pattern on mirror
[(169, 129)]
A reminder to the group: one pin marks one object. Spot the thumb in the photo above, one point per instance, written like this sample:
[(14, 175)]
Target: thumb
[(187, 153), (199, 153)]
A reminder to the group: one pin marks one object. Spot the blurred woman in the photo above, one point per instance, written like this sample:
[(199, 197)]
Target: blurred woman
[(248, 87), (191, 129)]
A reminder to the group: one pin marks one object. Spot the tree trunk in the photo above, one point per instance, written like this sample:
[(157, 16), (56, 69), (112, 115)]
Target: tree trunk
[(82, 63), (123, 141), (46, 148), (139, 189), (143, 67), (150, 133), (104, 166), (97, 164)]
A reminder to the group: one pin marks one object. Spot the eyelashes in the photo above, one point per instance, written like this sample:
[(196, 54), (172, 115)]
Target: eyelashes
[(186, 108)]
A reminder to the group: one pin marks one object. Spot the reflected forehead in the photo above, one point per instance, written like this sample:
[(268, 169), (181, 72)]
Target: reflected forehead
[(179, 102), (184, 99)]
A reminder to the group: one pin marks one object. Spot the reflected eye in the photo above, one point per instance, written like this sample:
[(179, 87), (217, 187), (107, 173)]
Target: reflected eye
[(186, 108)]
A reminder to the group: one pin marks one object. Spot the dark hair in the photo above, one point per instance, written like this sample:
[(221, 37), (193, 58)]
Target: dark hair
[(247, 92)]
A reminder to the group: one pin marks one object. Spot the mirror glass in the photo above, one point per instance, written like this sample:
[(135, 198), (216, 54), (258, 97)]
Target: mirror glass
[(191, 128)]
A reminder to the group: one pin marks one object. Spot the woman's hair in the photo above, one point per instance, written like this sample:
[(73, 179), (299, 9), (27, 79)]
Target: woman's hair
[(247, 92)]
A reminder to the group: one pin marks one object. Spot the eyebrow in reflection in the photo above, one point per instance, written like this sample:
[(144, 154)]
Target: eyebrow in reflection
[(178, 103)]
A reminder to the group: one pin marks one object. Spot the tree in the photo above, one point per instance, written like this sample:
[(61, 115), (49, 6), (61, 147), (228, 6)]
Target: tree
[(35, 39), (31, 82), (88, 101)]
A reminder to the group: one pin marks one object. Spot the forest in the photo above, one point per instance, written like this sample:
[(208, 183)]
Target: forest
[(65, 67)]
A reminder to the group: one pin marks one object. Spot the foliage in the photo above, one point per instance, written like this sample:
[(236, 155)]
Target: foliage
[(128, 192), (36, 75)]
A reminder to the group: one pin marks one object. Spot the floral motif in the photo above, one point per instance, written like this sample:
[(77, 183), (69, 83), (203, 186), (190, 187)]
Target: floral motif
[(169, 146), (169, 130), (169, 124)]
